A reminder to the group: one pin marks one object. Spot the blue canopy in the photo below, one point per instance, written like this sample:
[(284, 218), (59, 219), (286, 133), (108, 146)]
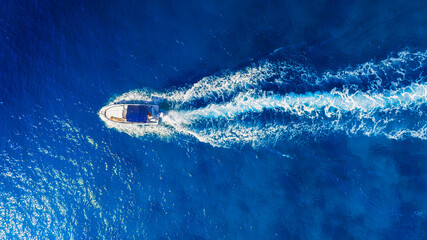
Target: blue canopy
[(137, 113)]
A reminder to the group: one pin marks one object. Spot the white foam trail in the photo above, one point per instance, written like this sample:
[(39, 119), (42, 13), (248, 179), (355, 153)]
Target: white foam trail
[(394, 67), (332, 104), (371, 99), (225, 83), (283, 74), (361, 106)]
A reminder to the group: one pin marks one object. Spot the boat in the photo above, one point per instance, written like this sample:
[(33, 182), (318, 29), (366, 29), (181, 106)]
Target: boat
[(135, 112)]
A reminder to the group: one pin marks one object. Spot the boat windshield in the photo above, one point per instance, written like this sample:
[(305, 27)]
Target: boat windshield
[(137, 113)]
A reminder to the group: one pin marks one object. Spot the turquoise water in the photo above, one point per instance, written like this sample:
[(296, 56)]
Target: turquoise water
[(289, 120)]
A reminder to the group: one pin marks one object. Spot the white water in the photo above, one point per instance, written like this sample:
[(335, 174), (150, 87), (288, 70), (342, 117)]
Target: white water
[(374, 99), (332, 104)]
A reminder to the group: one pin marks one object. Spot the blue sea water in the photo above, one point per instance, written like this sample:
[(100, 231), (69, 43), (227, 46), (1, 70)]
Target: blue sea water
[(290, 120)]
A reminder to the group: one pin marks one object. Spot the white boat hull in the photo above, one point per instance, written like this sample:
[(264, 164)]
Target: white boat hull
[(145, 113)]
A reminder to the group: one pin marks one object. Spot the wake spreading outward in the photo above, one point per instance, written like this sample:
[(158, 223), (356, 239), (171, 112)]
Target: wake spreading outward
[(273, 100)]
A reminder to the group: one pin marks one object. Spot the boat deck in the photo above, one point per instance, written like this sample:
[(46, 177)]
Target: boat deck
[(132, 113)]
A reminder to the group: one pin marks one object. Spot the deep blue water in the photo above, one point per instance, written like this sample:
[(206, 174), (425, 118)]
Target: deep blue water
[(290, 120)]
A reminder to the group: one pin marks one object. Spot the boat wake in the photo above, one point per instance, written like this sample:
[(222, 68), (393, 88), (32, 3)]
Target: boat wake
[(275, 100)]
